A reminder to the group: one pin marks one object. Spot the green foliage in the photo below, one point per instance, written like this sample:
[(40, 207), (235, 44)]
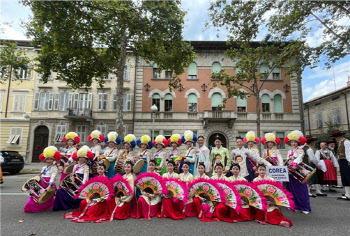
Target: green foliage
[(84, 41), (326, 134), (12, 59)]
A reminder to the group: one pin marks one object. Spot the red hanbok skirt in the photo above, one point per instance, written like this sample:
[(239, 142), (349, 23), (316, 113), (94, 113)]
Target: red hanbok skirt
[(192, 209), (144, 210), (245, 215), (88, 213), (225, 213), (119, 213), (274, 217), (171, 208)]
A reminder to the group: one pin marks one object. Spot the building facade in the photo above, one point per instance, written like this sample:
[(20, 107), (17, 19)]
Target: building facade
[(55, 109), (16, 96), (332, 108)]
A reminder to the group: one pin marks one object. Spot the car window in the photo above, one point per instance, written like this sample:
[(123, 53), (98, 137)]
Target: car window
[(13, 154)]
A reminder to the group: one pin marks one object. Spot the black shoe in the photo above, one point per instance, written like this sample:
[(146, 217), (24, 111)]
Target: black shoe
[(312, 195), (344, 198), (322, 194)]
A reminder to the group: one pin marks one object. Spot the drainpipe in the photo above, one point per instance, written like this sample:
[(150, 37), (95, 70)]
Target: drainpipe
[(134, 103), (347, 110)]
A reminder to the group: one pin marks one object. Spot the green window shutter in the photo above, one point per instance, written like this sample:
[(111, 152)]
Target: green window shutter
[(155, 65), (265, 99), (278, 103), (264, 69), (241, 102), (276, 70), (192, 98), (155, 96), (238, 70), (280, 135), (168, 97), (216, 67), (216, 100), (242, 134), (192, 69)]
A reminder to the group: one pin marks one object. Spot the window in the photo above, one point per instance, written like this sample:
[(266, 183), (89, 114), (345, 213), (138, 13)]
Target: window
[(15, 136), (127, 102), (216, 101), (65, 101), (102, 101), (337, 116), (192, 71), (264, 69), (126, 73), (265, 103), (168, 74), (156, 133), (319, 120), (168, 102), (102, 129), (105, 77), (156, 100), (81, 131), (280, 135), (167, 134), (276, 74), (156, 74), (56, 101), (241, 104), (192, 103), (277, 100), (83, 101), (306, 123), (61, 130), (36, 101), (216, 68), (23, 73), (115, 101), (19, 102)]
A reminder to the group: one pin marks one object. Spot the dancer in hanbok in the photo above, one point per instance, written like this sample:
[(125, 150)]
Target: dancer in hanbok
[(160, 157), (71, 139), (111, 152), (144, 143), (271, 153)]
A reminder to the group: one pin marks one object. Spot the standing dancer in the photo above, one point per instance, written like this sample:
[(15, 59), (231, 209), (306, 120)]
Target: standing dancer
[(129, 142), (271, 153), (160, 157), (203, 155), (175, 142), (190, 155), (219, 149), (250, 139), (111, 152), (71, 139), (144, 143), (295, 158)]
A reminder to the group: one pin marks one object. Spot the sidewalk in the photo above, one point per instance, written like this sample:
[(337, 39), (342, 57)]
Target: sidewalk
[(32, 168)]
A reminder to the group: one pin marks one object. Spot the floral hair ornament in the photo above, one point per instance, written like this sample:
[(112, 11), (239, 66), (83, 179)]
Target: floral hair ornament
[(50, 152), (84, 151), (113, 137), (145, 139), (130, 139), (270, 137), (295, 135), (251, 137), (96, 134), (73, 136)]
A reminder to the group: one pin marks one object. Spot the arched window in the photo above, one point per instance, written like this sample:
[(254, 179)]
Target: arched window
[(192, 71), (156, 74), (192, 102), (168, 102), (277, 100), (216, 101), (156, 100), (241, 104), (216, 67), (265, 103)]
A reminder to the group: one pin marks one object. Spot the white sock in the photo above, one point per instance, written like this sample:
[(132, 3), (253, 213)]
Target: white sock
[(318, 188), (347, 191)]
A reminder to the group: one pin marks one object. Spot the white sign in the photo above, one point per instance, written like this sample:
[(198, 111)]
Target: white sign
[(278, 173)]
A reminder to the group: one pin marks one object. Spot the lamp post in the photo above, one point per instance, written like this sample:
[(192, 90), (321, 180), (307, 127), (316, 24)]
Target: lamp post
[(154, 109)]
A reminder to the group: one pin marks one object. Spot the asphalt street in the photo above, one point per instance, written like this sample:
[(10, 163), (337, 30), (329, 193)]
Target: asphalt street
[(329, 216)]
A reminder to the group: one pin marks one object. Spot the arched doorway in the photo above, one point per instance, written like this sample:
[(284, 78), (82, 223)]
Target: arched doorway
[(41, 139), (212, 138)]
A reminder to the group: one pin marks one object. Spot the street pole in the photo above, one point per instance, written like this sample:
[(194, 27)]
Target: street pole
[(154, 109), (8, 92)]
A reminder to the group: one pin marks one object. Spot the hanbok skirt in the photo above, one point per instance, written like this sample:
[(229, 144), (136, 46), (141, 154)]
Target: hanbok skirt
[(110, 173), (145, 210), (192, 209), (225, 213), (87, 213), (170, 208), (121, 212), (144, 169), (274, 217), (245, 214), (32, 206), (300, 194)]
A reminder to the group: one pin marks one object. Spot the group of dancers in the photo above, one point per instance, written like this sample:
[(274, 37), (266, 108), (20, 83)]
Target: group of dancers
[(242, 166)]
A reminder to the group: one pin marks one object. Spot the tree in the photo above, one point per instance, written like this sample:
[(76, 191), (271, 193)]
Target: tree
[(242, 19), (12, 61), (83, 41), (296, 19)]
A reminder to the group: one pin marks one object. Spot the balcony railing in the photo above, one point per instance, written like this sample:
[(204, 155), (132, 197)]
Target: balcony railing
[(219, 115), (79, 113)]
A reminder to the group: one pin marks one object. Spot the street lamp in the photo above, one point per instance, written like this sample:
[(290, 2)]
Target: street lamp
[(154, 109)]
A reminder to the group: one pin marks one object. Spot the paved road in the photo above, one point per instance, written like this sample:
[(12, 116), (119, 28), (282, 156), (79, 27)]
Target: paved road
[(329, 217)]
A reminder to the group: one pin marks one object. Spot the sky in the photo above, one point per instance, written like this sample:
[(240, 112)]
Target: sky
[(316, 82)]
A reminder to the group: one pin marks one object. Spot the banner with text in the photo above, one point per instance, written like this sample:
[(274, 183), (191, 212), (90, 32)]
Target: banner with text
[(279, 173)]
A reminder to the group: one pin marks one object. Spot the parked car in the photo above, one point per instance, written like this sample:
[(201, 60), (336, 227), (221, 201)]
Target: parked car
[(13, 162)]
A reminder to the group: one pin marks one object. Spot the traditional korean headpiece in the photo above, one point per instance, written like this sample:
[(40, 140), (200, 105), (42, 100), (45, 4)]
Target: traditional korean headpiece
[(160, 139), (112, 137), (270, 137), (251, 137), (84, 151), (50, 152), (295, 135), (145, 139), (175, 138), (189, 136), (73, 136), (96, 134), (130, 139)]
